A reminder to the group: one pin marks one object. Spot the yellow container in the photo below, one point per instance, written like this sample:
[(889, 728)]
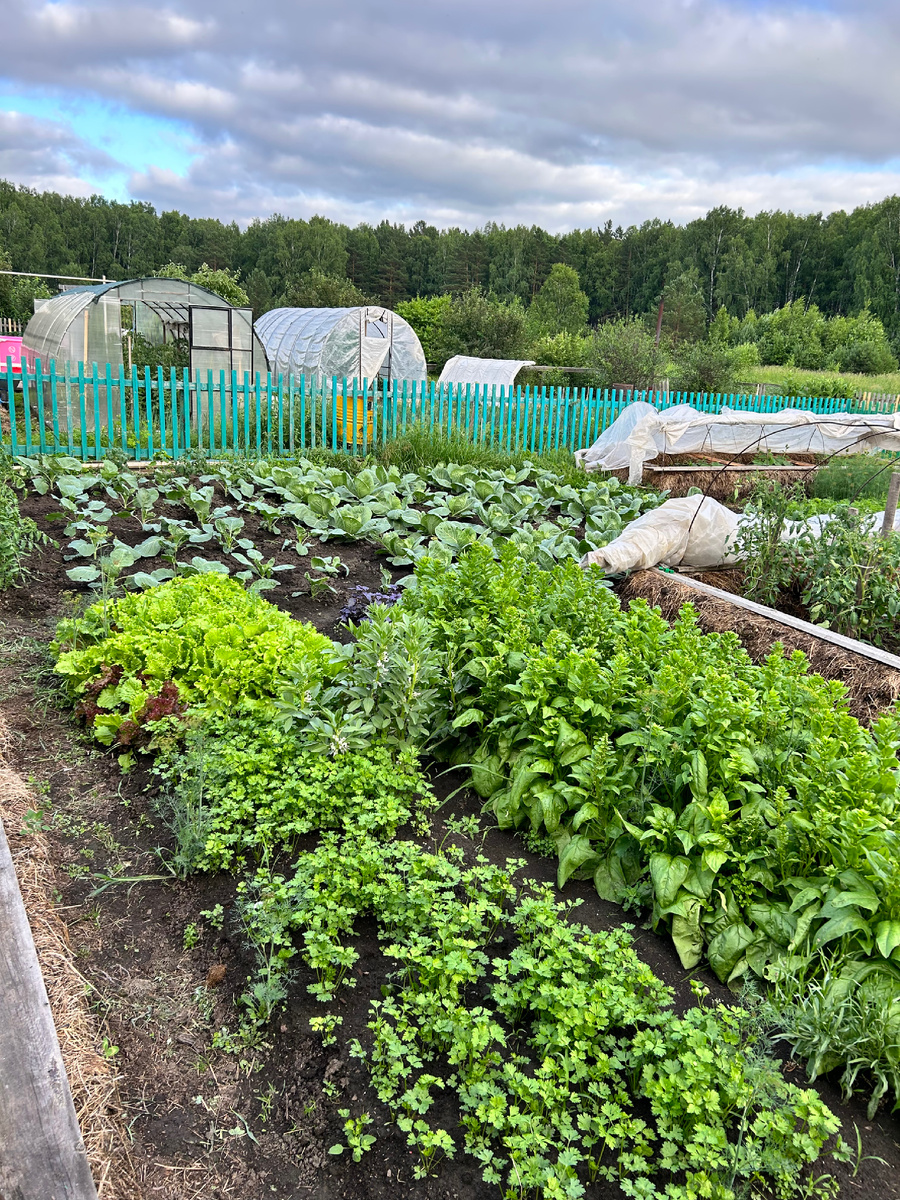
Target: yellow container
[(353, 412)]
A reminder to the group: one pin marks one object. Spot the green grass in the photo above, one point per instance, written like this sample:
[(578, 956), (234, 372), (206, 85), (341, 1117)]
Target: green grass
[(789, 381), (421, 448)]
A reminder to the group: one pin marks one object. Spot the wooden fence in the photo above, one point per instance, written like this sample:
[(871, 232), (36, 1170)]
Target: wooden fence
[(88, 410)]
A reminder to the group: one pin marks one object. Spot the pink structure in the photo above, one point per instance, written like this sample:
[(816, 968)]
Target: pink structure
[(11, 347)]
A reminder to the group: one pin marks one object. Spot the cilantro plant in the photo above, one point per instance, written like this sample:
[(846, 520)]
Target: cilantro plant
[(243, 788), (559, 1046)]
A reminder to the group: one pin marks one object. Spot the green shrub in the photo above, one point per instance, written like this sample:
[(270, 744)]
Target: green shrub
[(626, 355), (425, 314), (800, 335), (480, 325), (199, 643), (709, 366)]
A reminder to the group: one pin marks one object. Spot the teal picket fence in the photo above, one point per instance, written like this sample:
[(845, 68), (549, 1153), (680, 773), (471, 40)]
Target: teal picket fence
[(90, 409)]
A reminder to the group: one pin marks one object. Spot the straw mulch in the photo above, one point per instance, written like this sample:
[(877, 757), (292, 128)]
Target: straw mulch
[(714, 476), (92, 1079), (872, 687), (722, 484)]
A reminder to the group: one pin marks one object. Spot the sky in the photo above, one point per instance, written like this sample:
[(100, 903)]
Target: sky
[(560, 113)]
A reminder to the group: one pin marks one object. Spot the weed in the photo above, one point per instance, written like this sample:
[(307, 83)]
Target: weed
[(215, 916), (467, 827)]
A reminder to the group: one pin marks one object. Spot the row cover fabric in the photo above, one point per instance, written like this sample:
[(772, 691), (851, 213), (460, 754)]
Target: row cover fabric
[(641, 432), (499, 372), (692, 531), (366, 342)]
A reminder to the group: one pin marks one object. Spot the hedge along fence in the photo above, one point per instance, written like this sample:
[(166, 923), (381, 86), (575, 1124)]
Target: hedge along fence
[(88, 410)]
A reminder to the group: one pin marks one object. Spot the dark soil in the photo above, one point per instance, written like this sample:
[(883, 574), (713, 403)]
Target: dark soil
[(256, 1125), (50, 584)]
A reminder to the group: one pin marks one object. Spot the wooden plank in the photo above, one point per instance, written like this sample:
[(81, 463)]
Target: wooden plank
[(816, 631), (890, 505), (731, 468), (41, 1152)]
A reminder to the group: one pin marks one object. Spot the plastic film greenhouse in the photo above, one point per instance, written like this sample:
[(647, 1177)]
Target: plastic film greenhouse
[(351, 343), (103, 324)]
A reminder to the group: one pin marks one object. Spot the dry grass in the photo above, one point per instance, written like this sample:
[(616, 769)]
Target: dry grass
[(92, 1079)]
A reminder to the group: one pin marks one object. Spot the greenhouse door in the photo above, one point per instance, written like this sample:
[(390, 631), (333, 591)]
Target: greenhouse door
[(221, 339), (375, 339)]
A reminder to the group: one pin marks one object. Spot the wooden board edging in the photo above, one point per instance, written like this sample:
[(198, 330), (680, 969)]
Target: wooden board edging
[(816, 631), (42, 1155)]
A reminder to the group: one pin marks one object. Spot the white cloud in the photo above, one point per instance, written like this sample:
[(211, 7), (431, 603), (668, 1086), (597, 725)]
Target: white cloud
[(95, 25), (47, 155), (473, 110)]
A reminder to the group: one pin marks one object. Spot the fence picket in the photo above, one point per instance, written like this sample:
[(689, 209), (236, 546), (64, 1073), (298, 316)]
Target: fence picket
[(39, 389), (26, 409), (530, 420)]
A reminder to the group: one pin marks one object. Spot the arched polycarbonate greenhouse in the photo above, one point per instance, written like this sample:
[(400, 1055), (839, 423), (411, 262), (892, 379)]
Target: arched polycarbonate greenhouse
[(98, 325), (351, 343)]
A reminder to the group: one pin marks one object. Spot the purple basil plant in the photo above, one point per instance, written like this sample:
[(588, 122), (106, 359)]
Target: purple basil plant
[(357, 606)]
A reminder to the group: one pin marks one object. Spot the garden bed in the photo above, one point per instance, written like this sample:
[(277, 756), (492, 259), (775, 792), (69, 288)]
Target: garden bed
[(730, 483), (260, 1122), (728, 480), (128, 943), (873, 687)]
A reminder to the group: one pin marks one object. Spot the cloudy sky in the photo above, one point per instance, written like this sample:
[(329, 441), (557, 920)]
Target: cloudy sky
[(562, 113)]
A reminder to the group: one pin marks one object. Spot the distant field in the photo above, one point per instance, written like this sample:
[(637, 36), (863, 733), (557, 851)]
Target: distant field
[(789, 381)]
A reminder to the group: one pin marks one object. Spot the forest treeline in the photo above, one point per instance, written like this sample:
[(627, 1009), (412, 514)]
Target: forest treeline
[(843, 262)]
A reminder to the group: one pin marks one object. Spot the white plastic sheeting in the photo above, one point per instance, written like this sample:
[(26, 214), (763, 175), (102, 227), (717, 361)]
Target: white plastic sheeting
[(483, 371), (641, 432), (353, 343), (693, 531)]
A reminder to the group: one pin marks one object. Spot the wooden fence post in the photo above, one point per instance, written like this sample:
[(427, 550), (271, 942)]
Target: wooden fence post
[(890, 507)]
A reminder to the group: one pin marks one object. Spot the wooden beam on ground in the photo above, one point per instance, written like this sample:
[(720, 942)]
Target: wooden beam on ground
[(816, 631), (41, 1152)]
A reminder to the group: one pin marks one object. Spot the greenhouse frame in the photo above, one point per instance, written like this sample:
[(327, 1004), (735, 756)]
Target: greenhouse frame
[(364, 343), (96, 325)]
